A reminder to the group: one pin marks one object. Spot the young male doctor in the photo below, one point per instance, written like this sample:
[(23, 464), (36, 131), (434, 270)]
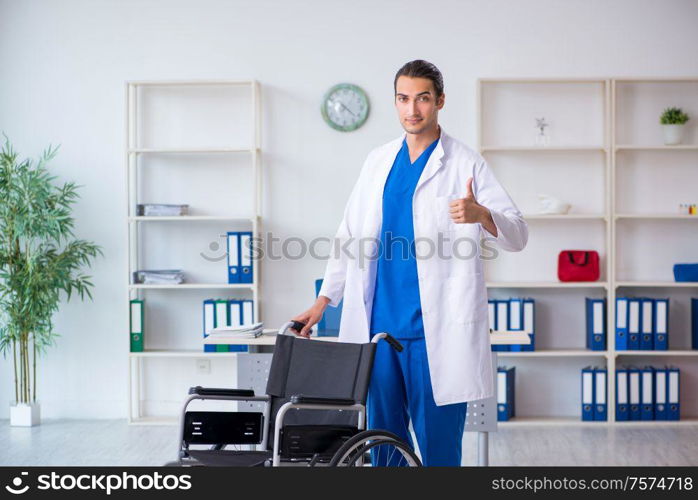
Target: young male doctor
[(418, 210)]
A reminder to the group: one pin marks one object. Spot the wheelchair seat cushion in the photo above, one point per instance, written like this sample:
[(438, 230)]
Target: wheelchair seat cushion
[(230, 458)]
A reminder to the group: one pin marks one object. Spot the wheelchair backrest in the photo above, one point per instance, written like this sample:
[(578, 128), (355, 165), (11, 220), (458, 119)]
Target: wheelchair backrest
[(320, 369)]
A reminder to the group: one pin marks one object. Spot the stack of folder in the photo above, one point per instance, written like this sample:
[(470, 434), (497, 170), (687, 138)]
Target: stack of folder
[(158, 277), (642, 324), (236, 332), (647, 393), (596, 324), (506, 402), (160, 209), (594, 392), (240, 253), (219, 313), (513, 314), (137, 324)]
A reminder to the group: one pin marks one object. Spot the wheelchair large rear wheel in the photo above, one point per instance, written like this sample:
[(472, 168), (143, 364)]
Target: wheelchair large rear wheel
[(386, 447)]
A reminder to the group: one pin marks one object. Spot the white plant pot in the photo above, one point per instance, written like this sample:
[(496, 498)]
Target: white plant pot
[(672, 134), (25, 415)]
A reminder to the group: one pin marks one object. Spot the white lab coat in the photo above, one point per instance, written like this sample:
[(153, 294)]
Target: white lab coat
[(452, 290)]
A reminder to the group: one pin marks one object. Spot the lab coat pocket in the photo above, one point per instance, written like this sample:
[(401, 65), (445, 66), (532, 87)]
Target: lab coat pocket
[(466, 298)]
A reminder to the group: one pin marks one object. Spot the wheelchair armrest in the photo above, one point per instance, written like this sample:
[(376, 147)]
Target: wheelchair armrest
[(312, 400), (210, 391)]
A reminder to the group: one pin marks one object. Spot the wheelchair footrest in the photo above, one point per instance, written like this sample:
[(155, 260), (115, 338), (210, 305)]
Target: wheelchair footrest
[(305, 441)]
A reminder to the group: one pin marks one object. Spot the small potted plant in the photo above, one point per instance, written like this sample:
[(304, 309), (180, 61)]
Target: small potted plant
[(40, 261), (673, 120)]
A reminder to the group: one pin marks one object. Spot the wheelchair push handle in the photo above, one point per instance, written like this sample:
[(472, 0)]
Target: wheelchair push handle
[(296, 325), (389, 339)]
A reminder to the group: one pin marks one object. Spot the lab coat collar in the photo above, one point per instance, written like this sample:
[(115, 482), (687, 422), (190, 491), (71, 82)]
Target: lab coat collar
[(434, 163)]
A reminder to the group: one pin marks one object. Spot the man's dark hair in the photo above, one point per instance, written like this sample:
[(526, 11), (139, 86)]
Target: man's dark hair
[(421, 69)]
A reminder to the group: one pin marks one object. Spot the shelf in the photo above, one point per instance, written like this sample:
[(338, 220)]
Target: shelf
[(190, 218), (546, 284), (541, 80), (566, 217), (554, 353), (174, 146), (542, 149), (191, 150), (181, 353), (577, 421), (654, 79), (168, 83), (676, 352), (195, 286), (658, 147), (656, 216), (657, 284), (683, 421)]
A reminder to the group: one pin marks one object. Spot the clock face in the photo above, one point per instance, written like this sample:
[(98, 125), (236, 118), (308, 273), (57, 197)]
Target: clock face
[(345, 107)]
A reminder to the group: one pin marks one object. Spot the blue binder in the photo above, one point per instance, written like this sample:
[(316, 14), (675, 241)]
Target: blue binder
[(622, 408), (660, 394), (588, 396), (694, 322), (506, 378), (208, 322), (621, 324), (596, 324), (516, 319), (529, 321), (600, 394), (235, 318), (647, 400), (647, 327), (661, 324), (233, 242), (247, 312), (234, 312), (328, 326), (246, 261), (673, 391), (502, 320), (634, 322), (634, 391)]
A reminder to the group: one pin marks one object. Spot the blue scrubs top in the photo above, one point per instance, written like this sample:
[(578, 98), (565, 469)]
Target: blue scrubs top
[(396, 305)]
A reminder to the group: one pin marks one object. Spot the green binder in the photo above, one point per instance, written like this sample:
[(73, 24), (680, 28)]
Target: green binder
[(136, 324)]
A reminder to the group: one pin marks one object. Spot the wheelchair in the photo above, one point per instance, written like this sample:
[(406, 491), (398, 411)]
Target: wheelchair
[(314, 413)]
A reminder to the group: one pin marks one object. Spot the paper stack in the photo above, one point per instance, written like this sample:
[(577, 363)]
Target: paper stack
[(160, 209), (250, 331), (158, 276)]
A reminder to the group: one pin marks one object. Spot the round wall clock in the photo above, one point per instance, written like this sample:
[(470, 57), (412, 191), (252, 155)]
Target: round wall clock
[(345, 107)]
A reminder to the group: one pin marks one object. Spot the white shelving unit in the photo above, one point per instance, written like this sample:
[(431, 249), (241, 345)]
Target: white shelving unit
[(168, 159), (590, 119)]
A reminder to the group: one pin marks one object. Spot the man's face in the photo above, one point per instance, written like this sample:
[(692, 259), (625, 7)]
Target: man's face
[(416, 104)]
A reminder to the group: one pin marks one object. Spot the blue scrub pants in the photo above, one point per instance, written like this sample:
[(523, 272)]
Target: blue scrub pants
[(400, 389)]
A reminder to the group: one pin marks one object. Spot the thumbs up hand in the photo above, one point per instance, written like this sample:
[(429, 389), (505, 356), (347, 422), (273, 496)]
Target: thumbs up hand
[(467, 210)]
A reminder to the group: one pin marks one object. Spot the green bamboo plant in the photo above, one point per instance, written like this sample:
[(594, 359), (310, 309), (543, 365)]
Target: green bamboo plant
[(39, 259)]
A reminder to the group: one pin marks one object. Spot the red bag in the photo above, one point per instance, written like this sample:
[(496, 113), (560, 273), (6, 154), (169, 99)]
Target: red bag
[(578, 265)]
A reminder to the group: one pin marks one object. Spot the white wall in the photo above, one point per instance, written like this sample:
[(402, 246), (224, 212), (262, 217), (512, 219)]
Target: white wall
[(62, 72)]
